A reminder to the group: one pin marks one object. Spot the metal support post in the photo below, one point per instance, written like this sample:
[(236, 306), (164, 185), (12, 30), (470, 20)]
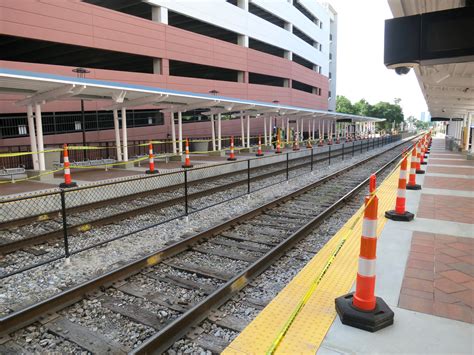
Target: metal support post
[(186, 194), (312, 155), (248, 177), (329, 155), (287, 165), (342, 151), (63, 214), (353, 148)]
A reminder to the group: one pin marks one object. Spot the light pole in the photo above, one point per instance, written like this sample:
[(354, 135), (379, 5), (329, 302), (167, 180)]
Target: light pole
[(81, 73)]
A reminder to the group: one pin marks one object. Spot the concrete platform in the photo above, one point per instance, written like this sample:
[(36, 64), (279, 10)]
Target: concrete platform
[(86, 176), (425, 273)]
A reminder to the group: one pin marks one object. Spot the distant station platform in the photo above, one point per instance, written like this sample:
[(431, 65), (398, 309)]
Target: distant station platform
[(21, 184), (425, 273)]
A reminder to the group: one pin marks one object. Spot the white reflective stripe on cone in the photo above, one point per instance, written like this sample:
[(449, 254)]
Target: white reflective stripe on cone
[(67, 171), (66, 159), (401, 193), (412, 171), (369, 228), (151, 160), (366, 267)]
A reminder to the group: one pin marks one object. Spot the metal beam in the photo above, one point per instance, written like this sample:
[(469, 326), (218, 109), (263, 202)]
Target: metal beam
[(51, 95)]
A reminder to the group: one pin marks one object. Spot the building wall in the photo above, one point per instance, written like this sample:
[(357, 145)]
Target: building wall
[(77, 23)]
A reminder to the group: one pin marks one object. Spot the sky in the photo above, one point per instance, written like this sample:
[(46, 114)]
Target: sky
[(360, 69)]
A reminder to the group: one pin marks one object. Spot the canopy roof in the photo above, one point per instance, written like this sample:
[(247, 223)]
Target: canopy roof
[(41, 88)]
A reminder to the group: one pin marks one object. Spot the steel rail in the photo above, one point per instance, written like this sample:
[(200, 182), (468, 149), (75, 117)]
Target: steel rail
[(26, 316)]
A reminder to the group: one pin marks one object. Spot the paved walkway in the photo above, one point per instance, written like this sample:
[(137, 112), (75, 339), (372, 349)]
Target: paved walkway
[(425, 273), (425, 268)]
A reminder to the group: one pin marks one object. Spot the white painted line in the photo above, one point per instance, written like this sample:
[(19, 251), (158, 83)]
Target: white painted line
[(436, 226), (447, 159), (450, 175), (452, 166), (446, 192)]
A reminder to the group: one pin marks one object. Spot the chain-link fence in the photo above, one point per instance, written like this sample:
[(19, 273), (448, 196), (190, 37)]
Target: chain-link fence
[(38, 229)]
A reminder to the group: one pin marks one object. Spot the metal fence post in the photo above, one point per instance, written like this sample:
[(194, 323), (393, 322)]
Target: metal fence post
[(64, 217), (342, 151), (353, 148), (312, 153), (186, 193), (368, 144), (248, 177), (287, 166), (361, 144), (329, 155)]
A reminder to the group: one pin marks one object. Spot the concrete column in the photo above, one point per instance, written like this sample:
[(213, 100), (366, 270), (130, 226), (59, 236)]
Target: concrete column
[(219, 132), (157, 66), (124, 134), (270, 129), (242, 130), (288, 55), (118, 147), (243, 40), (213, 130), (159, 14), (265, 140), (248, 131), (297, 126), (32, 131), (173, 133), (180, 133), (39, 133), (243, 4)]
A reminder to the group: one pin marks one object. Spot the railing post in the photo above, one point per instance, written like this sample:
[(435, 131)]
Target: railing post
[(353, 148), (287, 166), (186, 193), (329, 156), (361, 145), (64, 217), (342, 151), (312, 153), (248, 177)]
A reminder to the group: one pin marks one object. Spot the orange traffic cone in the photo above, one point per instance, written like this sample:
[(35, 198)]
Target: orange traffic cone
[(232, 155), (259, 151), (187, 160), (308, 144), (412, 185), (400, 214), (278, 147), (361, 309), (418, 160), (151, 169), (67, 171), (296, 145)]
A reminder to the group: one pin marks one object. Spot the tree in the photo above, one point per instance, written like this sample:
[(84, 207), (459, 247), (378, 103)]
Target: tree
[(344, 105)]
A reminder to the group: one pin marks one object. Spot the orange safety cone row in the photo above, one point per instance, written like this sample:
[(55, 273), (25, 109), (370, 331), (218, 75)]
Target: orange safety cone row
[(67, 171), (151, 163), (418, 160), (259, 150), (308, 144), (400, 214), (296, 145), (278, 147), (362, 309), (321, 142), (412, 185), (232, 154), (187, 160)]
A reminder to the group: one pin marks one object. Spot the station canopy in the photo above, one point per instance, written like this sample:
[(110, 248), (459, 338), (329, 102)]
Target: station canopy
[(39, 88)]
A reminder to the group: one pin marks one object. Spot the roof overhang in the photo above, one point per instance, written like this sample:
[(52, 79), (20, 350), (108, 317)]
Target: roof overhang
[(39, 88), (436, 38)]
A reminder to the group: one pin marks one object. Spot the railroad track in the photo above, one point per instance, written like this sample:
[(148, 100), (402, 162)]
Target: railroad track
[(158, 298), (37, 240)]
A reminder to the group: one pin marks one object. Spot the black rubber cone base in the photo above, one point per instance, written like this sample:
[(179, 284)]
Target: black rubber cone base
[(259, 155), (404, 217), (420, 171), (231, 159), (413, 187), (278, 152), (151, 172), (381, 317), (187, 166), (424, 163), (63, 185)]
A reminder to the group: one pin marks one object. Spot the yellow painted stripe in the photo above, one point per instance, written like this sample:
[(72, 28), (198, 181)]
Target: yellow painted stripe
[(311, 324)]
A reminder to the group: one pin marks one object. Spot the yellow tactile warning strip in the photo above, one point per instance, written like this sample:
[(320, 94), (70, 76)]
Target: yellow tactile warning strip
[(311, 324)]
